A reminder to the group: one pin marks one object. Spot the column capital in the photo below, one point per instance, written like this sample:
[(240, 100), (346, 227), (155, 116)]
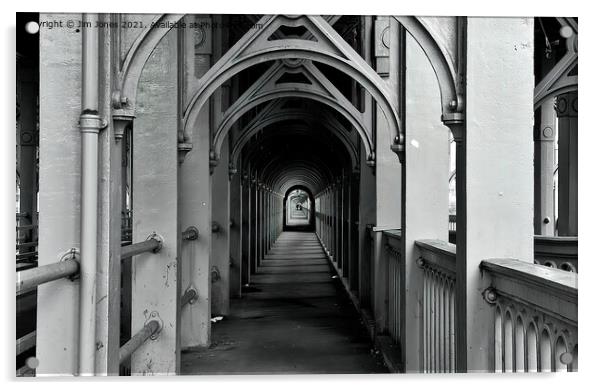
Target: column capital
[(566, 105)]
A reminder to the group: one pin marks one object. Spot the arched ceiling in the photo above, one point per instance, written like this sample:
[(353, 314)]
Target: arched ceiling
[(287, 154)]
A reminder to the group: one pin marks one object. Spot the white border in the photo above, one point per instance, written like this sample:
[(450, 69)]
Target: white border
[(590, 188)]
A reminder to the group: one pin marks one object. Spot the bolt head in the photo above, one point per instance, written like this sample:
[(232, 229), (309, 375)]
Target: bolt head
[(566, 358)]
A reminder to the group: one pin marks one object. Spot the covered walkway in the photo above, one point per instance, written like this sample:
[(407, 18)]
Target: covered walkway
[(294, 318), (295, 176)]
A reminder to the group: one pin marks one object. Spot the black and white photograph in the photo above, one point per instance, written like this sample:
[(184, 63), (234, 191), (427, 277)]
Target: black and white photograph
[(290, 194)]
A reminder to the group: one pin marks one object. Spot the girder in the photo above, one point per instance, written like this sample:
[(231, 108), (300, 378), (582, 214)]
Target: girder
[(442, 40), (558, 80)]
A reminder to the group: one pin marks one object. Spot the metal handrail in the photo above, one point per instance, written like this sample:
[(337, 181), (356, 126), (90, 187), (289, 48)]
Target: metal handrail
[(27, 244), (26, 342), (33, 277), (150, 329), (152, 244)]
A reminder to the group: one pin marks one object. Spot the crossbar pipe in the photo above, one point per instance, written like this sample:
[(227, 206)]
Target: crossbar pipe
[(150, 329), (33, 277), (152, 244), (26, 342)]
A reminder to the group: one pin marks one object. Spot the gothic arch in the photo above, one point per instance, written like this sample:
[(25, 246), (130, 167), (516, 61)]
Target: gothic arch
[(328, 47), (275, 115), (130, 69), (267, 88), (446, 55)]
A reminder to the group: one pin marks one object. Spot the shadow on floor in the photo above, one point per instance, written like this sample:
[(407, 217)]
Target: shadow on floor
[(293, 318)]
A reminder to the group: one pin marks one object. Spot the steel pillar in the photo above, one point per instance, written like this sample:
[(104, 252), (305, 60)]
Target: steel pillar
[(155, 276), (495, 205), (59, 199), (566, 107)]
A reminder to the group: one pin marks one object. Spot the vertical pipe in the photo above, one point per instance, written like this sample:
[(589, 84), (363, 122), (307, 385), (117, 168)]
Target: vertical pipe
[(90, 125)]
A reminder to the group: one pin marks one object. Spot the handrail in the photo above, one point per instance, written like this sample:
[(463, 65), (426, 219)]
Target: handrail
[(539, 304), (153, 243), (536, 278), (27, 244), (439, 254), (26, 227), (33, 277), (26, 342), (149, 330)]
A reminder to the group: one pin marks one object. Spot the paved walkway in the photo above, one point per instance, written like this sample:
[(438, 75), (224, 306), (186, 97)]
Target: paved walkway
[(294, 318)]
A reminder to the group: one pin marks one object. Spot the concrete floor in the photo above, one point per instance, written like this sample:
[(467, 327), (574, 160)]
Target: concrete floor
[(293, 318)]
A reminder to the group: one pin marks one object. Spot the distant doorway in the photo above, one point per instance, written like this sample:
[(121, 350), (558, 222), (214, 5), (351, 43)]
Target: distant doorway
[(298, 210)]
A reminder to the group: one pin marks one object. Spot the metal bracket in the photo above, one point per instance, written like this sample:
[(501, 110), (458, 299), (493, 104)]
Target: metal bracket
[(157, 237), (490, 295), (420, 262), (154, 316), (92, 123), (190, 234), (195, 295), (215, 275), (72, 254)]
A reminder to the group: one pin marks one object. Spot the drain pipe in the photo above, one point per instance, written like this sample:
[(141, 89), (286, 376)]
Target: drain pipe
[(90, 124)]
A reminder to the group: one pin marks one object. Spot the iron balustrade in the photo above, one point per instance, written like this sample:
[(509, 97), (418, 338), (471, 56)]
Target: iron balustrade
[(534, 316), (438, 262), (33, 277), (395, 316), (556, 252)]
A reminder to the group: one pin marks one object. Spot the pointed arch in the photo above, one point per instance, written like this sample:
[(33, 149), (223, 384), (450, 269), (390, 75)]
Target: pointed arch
[(329, 48)]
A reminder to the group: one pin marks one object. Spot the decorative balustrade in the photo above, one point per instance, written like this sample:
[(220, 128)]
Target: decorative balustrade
[(438, 261), (366, 286), (556, 252), (535, 316), (394, 284)]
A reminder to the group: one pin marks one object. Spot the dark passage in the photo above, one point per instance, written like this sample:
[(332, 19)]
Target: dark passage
[(294, 318)]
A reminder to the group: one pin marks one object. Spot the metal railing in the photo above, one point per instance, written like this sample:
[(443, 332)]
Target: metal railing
[(150, 330), (438, 261), (33, 277), (26, 342), (534, 317), (395, 270), (153, 243)]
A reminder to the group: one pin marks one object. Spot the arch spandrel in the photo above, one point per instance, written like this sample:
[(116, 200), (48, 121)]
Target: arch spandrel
[(131, 66)]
